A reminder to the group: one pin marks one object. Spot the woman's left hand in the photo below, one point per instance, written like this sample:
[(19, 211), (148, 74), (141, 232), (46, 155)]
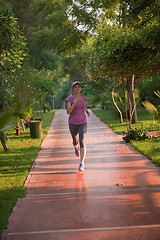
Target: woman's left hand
[(88, 113)]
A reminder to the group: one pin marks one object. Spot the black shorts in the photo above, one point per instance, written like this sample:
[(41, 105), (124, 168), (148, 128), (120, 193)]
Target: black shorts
[(80, 130)]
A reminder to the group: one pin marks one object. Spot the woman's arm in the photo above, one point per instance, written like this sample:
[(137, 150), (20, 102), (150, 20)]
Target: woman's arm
[(70, 107)]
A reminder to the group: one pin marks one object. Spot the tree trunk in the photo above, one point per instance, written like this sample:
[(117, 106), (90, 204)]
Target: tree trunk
[(41, 106), (22, 121), (57, 99), (1, 98), (125, 105), (131, 99), (74, 76), (121, 116), (52, 102), (70, 86)]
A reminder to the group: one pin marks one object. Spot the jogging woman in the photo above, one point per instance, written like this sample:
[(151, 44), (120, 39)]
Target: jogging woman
[(76, 108)]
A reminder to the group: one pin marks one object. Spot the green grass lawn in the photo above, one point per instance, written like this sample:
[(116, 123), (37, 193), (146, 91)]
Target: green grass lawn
[(150, 148), (15, 165)]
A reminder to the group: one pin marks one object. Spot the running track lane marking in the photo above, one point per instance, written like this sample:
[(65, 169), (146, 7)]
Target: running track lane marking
[(72, 193), (85, 229)]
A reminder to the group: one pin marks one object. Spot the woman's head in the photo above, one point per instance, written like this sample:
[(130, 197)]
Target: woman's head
[(75, 83), (77, 87)]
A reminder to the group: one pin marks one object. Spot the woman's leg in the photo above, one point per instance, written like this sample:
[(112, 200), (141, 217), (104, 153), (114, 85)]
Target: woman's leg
[(74, 133), (82, 136), (82, 154)]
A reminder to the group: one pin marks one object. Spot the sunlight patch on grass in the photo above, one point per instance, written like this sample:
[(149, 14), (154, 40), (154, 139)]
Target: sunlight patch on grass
[(150, 148)]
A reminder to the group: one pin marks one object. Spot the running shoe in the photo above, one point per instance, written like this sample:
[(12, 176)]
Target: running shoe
[(76, 152), (81, 167)]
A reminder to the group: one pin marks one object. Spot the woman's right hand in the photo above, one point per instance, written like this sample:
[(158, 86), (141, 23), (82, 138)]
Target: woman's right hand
[(70, 107)]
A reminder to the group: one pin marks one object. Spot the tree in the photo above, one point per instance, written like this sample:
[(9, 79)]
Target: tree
[(123, 42), (13, 50), (122, 53), (127, 43), (55, 30)]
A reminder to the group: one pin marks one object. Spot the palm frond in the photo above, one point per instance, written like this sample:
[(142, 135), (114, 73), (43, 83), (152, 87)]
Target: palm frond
[(5, 118), (157, 93), (6, 128), (150, 107)]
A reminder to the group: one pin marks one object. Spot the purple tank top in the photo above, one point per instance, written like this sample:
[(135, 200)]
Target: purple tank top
[(77, 116)]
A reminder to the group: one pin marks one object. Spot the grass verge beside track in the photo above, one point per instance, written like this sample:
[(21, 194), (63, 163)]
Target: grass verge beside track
[(15, 165), (151, 148)]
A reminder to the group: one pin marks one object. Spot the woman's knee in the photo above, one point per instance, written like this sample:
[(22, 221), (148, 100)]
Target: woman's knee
[(82, 143)]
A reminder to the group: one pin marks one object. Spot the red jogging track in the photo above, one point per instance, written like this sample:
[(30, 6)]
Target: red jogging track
[(116, 198)]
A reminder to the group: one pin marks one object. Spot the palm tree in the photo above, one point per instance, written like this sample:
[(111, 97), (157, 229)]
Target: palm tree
[(151, 108), (4, 120)]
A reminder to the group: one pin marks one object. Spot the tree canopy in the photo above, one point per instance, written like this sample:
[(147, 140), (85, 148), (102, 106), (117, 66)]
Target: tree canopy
[(102, 39), (13, 48)]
